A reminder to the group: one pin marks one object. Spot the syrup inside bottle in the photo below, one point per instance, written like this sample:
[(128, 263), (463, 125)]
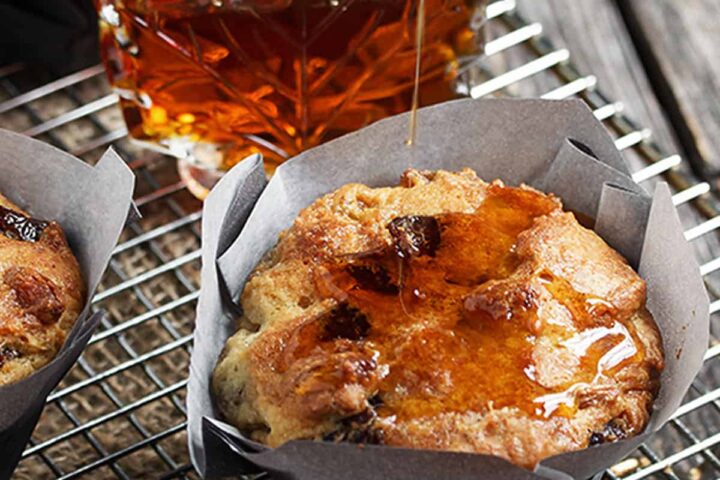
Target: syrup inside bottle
[(449, 317)]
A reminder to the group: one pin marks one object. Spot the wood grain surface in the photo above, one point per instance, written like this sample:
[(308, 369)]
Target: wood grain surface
[(599, 43), (680, 41)]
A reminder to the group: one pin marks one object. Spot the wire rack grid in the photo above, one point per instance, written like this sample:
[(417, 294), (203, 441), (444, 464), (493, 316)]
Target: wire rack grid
[(120, 412)]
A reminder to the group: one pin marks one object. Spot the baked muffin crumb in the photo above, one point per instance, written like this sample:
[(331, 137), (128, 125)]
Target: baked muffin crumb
[(444, 313), (41, 292)]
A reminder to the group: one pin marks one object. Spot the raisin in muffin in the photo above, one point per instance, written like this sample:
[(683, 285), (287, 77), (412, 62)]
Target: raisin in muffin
[(444, 313), (41, 292)]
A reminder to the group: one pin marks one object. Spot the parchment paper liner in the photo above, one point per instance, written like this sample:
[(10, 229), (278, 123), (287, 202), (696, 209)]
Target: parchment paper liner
[(557, 146), (92, 205)]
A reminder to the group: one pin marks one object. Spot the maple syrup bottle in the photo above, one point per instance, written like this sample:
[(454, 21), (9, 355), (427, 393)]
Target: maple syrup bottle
[(213, 81)]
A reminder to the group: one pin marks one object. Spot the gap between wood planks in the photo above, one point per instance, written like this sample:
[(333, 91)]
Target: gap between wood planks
[(663, 90)]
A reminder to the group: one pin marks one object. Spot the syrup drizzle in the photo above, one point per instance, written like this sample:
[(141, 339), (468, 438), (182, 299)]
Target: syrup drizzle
[(442, 322), (419, 35)]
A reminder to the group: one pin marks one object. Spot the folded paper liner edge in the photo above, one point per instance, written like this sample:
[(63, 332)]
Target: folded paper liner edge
[(281, 199), (92, 204)]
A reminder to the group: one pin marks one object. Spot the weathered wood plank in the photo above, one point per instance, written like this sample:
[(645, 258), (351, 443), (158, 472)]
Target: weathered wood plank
[(595, 34), (680, 42)]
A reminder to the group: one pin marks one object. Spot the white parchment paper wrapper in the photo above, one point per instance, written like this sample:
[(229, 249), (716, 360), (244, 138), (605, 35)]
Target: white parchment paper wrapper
[(92, 205), (558, 147)]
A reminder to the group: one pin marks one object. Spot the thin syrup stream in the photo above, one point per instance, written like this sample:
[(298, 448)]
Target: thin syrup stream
[(419, 35)]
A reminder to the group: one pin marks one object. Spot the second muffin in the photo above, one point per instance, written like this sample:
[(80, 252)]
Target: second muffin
[(41, 292)]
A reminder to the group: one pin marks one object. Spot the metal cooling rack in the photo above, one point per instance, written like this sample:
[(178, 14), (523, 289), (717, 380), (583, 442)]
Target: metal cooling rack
[(120, 412)]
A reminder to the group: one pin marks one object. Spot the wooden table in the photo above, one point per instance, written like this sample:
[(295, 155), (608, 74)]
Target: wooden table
[(660, 57)]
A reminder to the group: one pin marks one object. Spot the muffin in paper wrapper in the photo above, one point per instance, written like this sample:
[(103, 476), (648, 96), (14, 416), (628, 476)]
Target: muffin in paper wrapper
[(92, 205), (555, 146)]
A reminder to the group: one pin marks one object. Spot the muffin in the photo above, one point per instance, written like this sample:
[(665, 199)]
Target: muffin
[(445, 313), (41, 292)]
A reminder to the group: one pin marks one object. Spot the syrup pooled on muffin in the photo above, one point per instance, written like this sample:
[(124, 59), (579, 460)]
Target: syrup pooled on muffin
[(500, 327)]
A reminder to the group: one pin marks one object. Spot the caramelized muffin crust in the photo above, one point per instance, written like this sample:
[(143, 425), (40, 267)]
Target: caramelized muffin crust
[(445, 313), (41, 292)]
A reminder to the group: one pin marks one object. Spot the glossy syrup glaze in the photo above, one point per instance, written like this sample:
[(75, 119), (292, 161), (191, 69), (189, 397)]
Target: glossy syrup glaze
[(449, 317)]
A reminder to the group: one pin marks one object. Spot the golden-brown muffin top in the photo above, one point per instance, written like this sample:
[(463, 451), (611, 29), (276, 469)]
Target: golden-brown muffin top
[(41, 292), (445, 313)]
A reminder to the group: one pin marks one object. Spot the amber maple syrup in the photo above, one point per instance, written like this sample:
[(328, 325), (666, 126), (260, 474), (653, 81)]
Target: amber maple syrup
[(446, 328), (419, 37), (215, 81)]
